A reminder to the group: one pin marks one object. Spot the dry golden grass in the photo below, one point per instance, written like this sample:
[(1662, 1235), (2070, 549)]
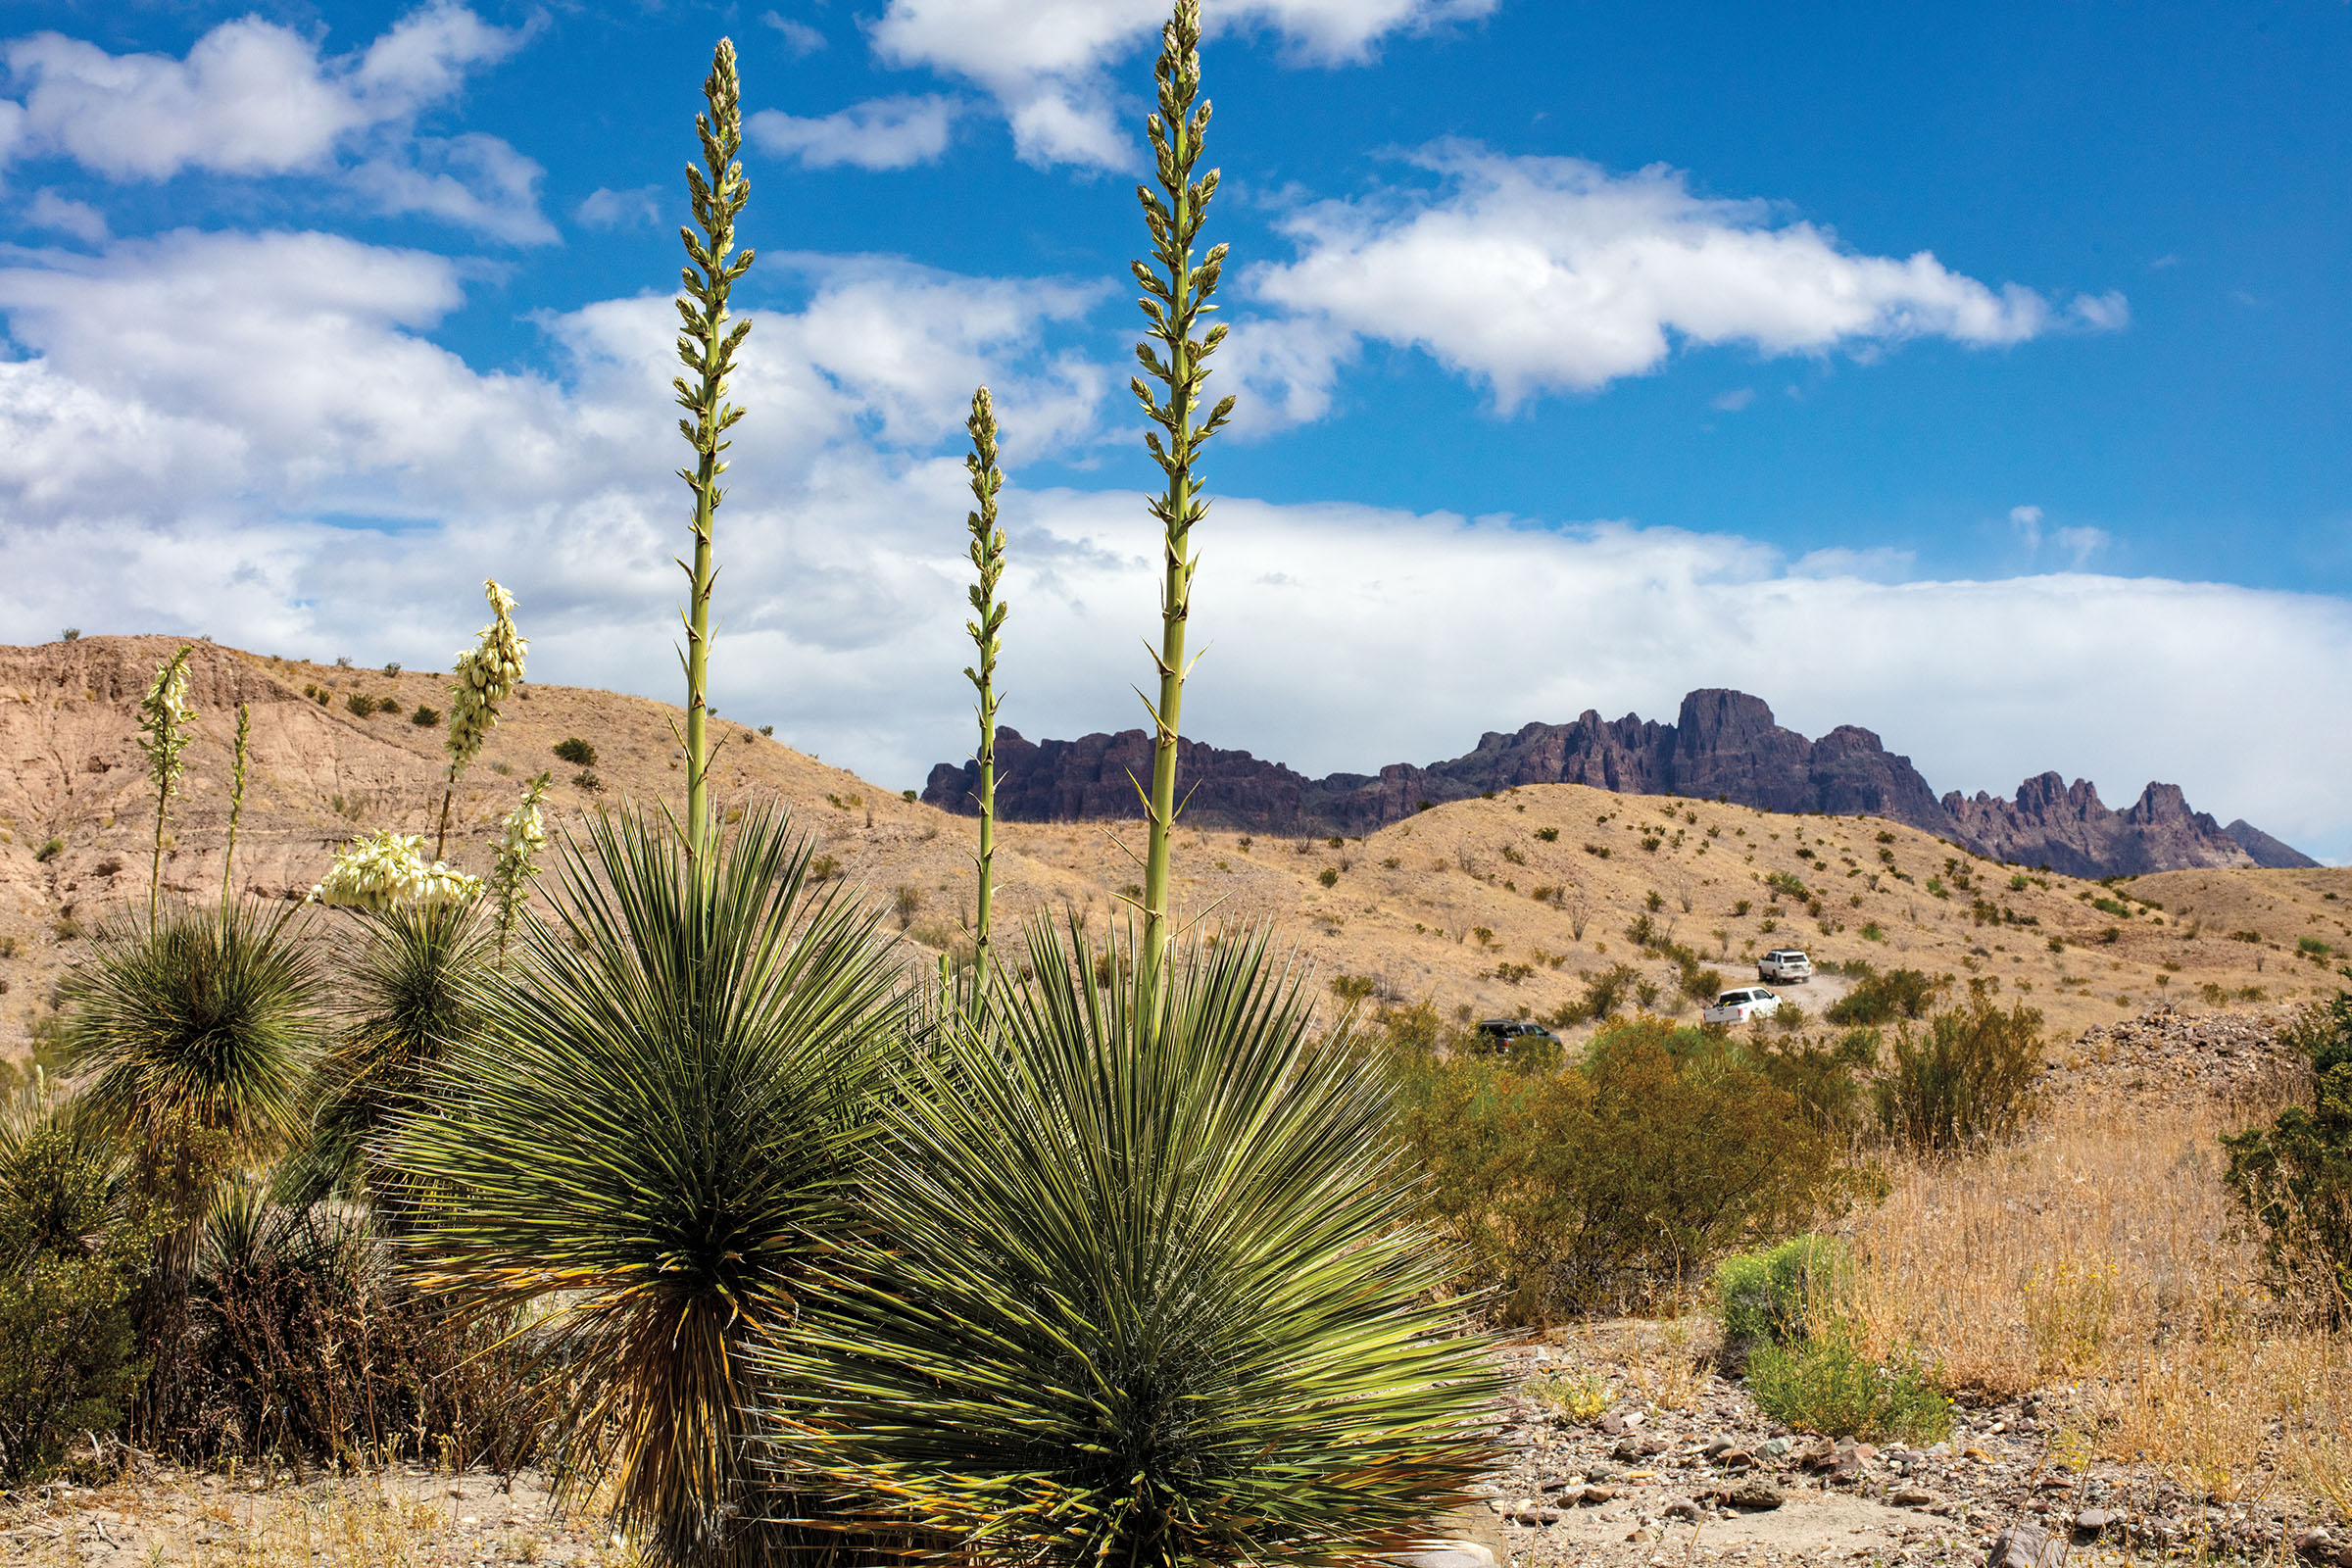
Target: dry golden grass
[(2100, 1261)]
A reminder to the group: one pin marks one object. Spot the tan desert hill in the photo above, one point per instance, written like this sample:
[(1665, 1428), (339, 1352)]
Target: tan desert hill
[(1469, 902)]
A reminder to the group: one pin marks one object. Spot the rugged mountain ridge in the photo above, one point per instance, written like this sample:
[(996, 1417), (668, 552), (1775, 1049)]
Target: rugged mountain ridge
[(1722, 743)]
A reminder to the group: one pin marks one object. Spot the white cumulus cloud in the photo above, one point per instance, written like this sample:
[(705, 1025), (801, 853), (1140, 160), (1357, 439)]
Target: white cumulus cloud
[(895, 132), (1535, 274), (1047, 60), (252, 98)]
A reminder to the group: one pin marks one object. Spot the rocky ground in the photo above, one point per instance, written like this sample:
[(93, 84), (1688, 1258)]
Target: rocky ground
[(2169, 1051), (1717, 1481)]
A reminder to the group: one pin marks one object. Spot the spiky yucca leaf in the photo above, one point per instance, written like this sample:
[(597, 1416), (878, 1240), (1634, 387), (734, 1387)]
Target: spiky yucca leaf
[(198, 1023), (1154, 1293), (655, 1134)]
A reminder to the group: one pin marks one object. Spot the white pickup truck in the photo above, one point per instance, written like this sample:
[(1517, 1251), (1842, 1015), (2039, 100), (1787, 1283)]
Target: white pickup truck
[(1784, 964), (1737, 1006)]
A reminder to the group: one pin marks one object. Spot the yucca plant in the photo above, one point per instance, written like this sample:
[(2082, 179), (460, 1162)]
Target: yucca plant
[(988, 621), (1177, 295), (236, 797), (193, 1034), (410, 996), (655, 1137), (1153, 1292)]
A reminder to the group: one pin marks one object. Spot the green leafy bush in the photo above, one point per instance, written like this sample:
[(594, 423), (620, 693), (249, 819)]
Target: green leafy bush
[(77, 1239), (575, 750), (1885, 997), (1826, 1385), (1773, 1295), (1967, 1078), (425, 718), (1621, 1180), (49, 851), (2294, 1178)]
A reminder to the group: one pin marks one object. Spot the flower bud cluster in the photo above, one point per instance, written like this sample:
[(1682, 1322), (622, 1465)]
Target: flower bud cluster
[(522, 836), (165, 716), (385, 870), (486, 674)]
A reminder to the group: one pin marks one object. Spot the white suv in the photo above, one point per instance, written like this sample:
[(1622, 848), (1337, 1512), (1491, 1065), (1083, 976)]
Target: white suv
[(1737, 1006), (1784, 964)]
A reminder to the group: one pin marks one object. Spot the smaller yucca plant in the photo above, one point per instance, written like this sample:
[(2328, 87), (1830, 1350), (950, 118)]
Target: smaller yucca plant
[(411, 997)]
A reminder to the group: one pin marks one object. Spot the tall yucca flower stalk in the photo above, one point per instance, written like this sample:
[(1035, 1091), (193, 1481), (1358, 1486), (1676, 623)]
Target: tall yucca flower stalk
[(164, 719), (706, 347), (657, 1135), (988, 562), (236, 797), (1177, 295), (486, 675), (1154, 1293)]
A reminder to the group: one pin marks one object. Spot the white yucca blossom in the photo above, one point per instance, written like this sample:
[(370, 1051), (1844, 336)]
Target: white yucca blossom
[(522, 834), (486, 674), (386, 870)]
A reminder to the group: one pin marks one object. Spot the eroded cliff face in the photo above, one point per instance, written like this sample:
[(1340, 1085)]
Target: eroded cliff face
[(1721, 743)]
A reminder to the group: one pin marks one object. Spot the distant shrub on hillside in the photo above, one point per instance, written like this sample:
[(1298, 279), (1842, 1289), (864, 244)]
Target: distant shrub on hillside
[(575, 750), (425, 718), (1885, 997)]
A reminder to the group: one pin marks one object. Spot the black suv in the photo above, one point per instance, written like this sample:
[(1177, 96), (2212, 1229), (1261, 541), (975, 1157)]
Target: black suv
[(1501, 1033)]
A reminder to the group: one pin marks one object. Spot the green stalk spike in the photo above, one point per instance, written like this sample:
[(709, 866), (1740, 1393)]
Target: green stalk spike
[(237, 799), (706, 347), (164, 719), (988, 561), (1179, 294)]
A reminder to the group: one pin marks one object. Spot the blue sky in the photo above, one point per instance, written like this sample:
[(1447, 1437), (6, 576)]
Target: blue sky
[(1976, 374)]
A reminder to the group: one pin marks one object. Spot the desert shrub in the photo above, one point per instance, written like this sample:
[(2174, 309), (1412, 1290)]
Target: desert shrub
[(359, 705), (824, 868), (1606, 990), (302, 1341), (425, 718), (1353, 987), (586, 780), (1549, 835), (49, 851), (1328, 877), (575, 750), (1885, 997), (1775, 1295), (71, 634), (1619, 1181), (1966, 1079), (1826, 1385), (77, 1237), (1824, 1078), (2294, 1178)]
